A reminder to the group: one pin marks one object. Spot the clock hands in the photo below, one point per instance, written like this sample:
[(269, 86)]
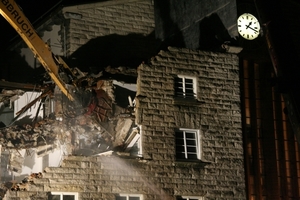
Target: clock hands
[(248, 26), (253, 29)]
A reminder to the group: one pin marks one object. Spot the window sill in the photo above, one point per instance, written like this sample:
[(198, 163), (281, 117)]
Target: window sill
[(187, 163)]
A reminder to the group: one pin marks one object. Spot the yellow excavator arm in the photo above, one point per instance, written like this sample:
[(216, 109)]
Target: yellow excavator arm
[(14, 15)]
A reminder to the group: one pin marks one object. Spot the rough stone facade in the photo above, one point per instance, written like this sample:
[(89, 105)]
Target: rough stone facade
[(157, 174), (216, 114), (107, 18)]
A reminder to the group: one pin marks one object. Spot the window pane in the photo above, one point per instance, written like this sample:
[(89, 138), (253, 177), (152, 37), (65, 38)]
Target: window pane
[(178, 85), (179, 134), (68, 197), (192, 156), (54, 197), (189, 91), (188, 81), (191, 142), (180, 155), (189, 96), (179, 141), (189, 86), (190, 135), (191, 149), (180, 149), (186, 144), (179, 90), (185, 87), (178, 80)]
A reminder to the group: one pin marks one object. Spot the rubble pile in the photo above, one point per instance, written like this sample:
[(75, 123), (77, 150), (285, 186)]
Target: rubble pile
[(23, 186), (94, 123), (27, 136)]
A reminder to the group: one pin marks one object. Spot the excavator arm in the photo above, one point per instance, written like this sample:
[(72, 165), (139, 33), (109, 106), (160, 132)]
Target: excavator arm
[(14, 15)]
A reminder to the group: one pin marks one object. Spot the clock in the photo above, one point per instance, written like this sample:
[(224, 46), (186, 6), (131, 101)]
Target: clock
[(248, 26)]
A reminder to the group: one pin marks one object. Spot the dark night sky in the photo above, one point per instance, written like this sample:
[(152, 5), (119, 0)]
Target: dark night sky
[(33, 10)]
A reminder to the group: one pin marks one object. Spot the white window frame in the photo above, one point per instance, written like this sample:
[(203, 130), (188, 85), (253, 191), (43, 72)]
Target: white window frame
[(75, 194), (194, 80), (197, 140), (131, 195), (136, 144), (139, 142), (192, 197)]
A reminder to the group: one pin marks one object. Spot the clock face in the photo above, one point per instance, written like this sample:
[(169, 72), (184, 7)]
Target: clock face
[(248, 26)]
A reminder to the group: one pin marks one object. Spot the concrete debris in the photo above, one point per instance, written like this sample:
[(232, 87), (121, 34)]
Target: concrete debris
[(7, 97), (32, 177), (27, 136), (16, 161), (45, 150), (102, 125), (23, 186), (122, 70), (19, 187)]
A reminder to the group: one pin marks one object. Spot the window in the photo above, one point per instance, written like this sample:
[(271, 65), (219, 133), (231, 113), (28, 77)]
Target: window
[(129, 197), (188, 144), (189, 198), (63, 196), (186, 87)]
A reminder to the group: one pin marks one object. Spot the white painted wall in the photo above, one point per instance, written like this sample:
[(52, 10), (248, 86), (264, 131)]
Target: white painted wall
[(23, 100), (33, 163)]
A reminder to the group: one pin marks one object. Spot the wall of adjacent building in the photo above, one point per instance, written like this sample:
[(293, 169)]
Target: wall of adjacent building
[(89, 21)]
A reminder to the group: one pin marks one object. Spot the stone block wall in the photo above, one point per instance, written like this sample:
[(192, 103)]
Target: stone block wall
[(158, 175), (107, 18), (216, 113)]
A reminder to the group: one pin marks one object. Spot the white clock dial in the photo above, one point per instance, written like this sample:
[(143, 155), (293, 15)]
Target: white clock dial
[(248, 26)]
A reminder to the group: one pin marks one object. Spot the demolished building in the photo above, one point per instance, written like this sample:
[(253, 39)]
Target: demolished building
[(163, 169), (176, 135)]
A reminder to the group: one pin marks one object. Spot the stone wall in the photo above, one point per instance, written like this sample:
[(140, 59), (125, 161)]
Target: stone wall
[(107, 18), (216, 113), (158, 175)]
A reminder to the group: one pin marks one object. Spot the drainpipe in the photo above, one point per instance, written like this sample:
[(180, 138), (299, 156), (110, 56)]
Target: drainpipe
[(283, 54)]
